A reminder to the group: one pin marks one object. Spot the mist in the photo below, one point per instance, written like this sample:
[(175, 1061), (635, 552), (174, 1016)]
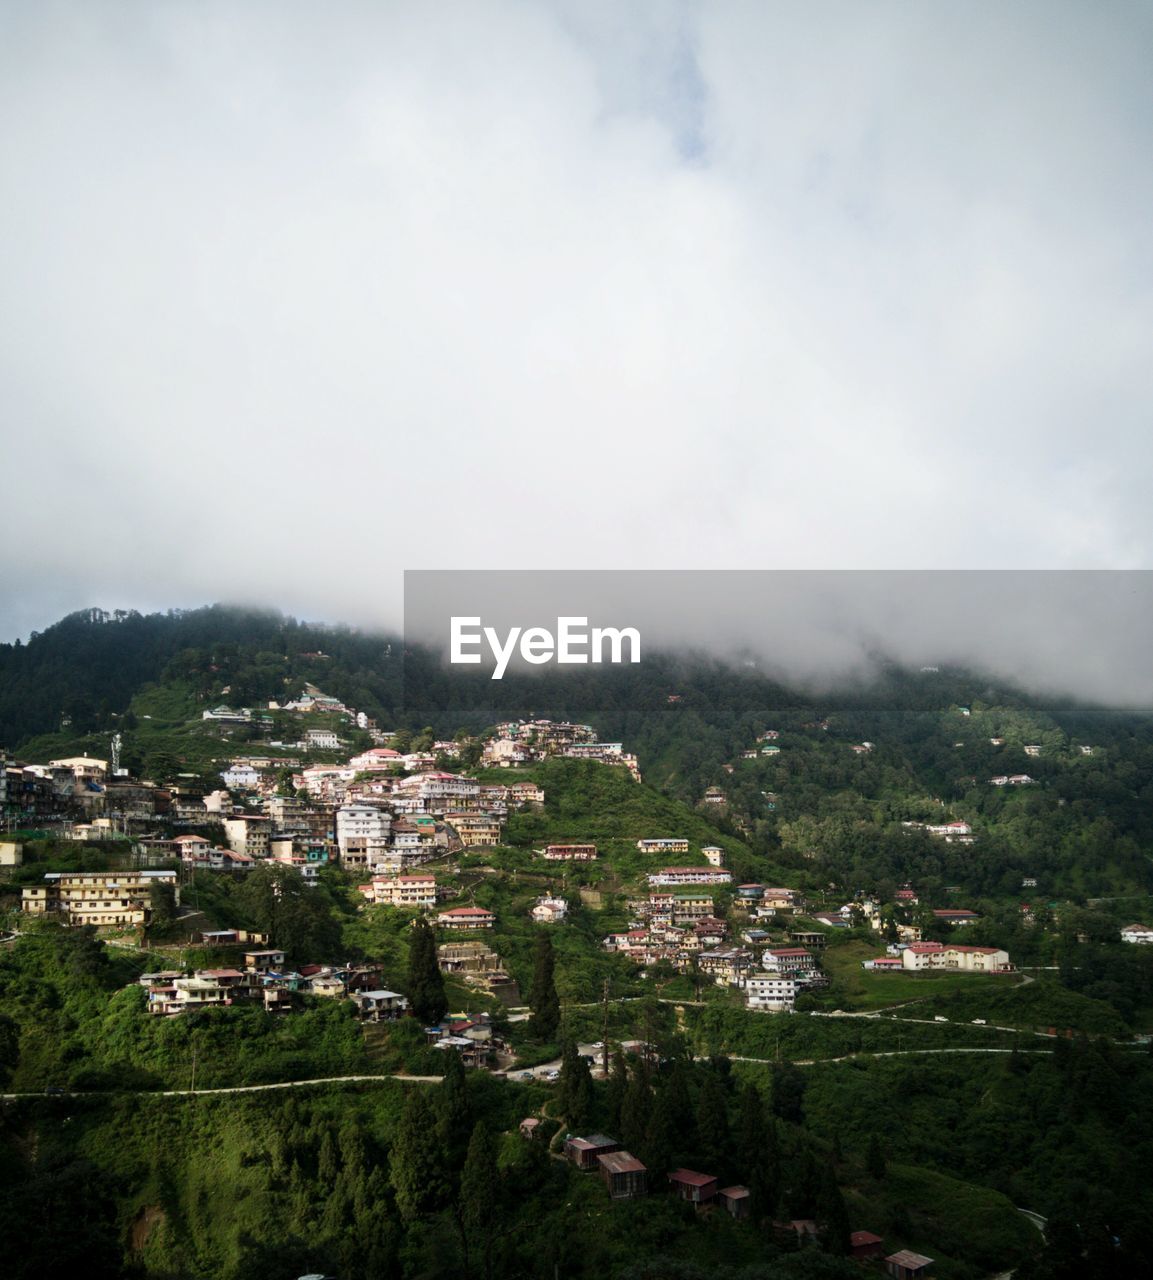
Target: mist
[(297, 297)]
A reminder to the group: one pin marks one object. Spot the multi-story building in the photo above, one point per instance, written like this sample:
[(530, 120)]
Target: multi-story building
[(100, 898), (413, 891), (674, 876), (569, 853), (248, 834), (664, 845), (362, 829), (770, 992), (464, 918), (475, 829)]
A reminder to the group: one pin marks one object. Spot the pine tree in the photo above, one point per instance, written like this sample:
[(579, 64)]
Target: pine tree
[(416, 1169), (543, 999), (636, 1108), (575, 1087), (615, 1089), (713, 1127), (479, 1193), (831, 1212), (662, 1140), (454, 1110), (875, 1161), (426, 995)]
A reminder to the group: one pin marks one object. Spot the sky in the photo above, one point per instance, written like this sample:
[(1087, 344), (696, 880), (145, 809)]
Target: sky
[(294, 297)]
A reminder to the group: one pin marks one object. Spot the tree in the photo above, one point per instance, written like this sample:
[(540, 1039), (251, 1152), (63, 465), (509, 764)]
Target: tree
[(832, 1213), (875, 1161), (479, 1193), (543, 999), (636, 1108), (575, 1087), (615, 1089), (454, 1119), (713, 1126), (426, 995), (416, 1172)]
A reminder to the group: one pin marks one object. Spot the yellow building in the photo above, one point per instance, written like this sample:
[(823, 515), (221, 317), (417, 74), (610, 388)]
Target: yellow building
[(100, 898)]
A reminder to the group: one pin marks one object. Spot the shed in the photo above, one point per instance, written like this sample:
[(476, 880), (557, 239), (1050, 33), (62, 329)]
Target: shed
[(907, 1265), (696, 1188), (623, 1174)]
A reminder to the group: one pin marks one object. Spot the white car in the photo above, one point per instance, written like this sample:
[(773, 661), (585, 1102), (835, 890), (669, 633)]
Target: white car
[(552, 1075)]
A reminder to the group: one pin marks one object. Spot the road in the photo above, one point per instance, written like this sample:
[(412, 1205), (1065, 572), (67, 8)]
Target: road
[(238, 1088)]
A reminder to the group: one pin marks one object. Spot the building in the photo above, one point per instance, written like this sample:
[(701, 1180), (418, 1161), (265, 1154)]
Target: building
[(362, 832), (959, 916), (623, 1174), (735, 1201), (921, 956), (1139, 933), (674, 876), (583, 1152), (549, 910), (771, 993), (907, 1265), (663, 845), (248, 835), (475, 829), (100, 898), (463, 918), (569, 852), (380, 1006), (695, 1188), (322, 740), (789, 960), (864, 1244), (413, 891), (714, 855)]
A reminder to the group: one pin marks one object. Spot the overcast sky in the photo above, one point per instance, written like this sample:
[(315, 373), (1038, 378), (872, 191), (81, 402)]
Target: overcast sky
[(296, 296)]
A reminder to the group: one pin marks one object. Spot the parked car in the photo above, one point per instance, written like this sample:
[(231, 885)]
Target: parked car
[(526, 1075), (553, 1075)]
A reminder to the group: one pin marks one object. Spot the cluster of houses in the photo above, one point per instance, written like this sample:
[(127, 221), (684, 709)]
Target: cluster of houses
[(626, 1178), (263, 977), (522, 742)]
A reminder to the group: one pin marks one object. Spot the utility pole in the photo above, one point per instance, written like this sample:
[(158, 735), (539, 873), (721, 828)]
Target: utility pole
[(605, 1031), (192, 1087)]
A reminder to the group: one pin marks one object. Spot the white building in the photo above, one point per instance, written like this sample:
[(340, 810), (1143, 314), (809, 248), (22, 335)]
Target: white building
[(1139, 933), (770, 993), (362, 829), (549, 910)]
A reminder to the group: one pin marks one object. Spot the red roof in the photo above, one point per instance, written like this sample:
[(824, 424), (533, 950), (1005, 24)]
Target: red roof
[(467, 911), (692, 1178), (863, 1237)]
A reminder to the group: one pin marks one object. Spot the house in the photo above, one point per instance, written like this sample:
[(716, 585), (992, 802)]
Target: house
[(569, 853), (623, 1174), (549, 910), (380, 1006), (583, 1152), (530, 1128), (663, 845), (789, 960), (476, 830), (101, 898), (907, 1265), (461, 918), (1139, 933), (693, 1187), (957, 916), (735, 1200), (674, 876), (883, 964), (770, 993), (415, 891), (714, 855), (263, 961), (864, 1244)]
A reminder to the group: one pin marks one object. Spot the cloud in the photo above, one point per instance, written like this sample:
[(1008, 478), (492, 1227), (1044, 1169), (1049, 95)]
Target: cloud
[(296, 297)]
